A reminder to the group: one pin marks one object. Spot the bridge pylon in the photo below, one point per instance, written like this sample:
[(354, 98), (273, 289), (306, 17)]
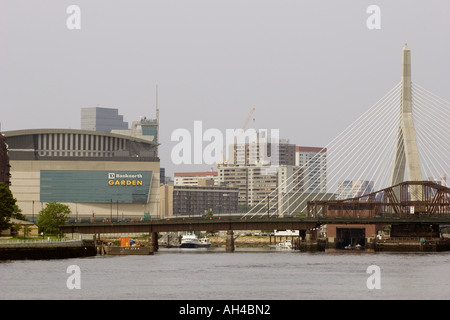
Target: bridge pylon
[(407, 154)]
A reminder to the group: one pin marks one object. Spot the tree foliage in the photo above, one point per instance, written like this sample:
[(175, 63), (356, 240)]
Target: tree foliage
[(7, 206), (52, 217), (18, 214), (208, 214)]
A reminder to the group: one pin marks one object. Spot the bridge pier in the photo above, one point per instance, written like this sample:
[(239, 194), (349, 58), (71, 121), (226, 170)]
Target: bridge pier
[(153, 242), (430, 230), (229, 247)]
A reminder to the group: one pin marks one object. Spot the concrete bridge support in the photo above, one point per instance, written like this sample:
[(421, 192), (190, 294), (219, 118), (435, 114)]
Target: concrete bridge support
[(230, 241), (153, 241), (425, 230)]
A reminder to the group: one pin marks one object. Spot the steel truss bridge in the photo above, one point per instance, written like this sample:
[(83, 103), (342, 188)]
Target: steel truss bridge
[(409, 200), (391, 205)]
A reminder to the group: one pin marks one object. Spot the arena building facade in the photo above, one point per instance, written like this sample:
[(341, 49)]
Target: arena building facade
[(4, 161), (99, 175)]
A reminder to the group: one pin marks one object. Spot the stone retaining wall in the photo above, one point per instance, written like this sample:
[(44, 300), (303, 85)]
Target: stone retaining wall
[(47, 250)]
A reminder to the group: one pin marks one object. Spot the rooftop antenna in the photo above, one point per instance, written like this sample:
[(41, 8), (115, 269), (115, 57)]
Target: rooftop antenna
[(157, 115), (157, 109)]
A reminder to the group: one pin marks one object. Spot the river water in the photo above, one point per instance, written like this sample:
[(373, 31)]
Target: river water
[(250, 274)]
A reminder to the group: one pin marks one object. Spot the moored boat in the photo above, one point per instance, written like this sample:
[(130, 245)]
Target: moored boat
[(192, 241), (116, 250), (286, 245)]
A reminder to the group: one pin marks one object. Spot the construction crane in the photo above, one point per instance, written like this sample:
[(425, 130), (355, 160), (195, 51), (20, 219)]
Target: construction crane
[(243, 129), (248, 118)]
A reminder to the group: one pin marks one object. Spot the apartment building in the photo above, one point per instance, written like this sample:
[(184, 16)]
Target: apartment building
[(196, 200), (354, 188), (313, 161), (196, 178), (261, 185)]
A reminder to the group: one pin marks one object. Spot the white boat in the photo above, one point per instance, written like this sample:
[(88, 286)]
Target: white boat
[(286, 245), (349, 247), (192, 241)]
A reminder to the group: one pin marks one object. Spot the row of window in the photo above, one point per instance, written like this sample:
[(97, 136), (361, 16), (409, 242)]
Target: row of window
[(78, 145)]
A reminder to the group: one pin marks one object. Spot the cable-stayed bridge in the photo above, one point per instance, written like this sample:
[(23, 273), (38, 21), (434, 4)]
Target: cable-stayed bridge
[(403, 137), (398, 152)]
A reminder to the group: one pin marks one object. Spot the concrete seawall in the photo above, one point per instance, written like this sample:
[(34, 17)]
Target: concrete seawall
[(413, 245), (322, 244), (47, 250)]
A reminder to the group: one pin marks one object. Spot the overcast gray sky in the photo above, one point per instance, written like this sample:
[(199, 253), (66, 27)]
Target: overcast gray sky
[(310, 68)]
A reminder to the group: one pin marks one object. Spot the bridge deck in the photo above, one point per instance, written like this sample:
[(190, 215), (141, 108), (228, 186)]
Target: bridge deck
[(175, 225)]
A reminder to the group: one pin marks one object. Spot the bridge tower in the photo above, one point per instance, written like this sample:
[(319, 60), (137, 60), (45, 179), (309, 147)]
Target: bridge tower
[(407, 155)]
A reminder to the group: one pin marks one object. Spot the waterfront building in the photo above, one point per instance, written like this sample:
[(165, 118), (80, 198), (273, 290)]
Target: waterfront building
[(166, 200), (20, 228), (267, 173), (196, 200), (97, 174), (261, 185), (196, 178), (257, 152), (313, 160)]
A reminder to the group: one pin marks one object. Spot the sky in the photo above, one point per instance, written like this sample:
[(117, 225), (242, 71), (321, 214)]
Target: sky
[(309, 68)]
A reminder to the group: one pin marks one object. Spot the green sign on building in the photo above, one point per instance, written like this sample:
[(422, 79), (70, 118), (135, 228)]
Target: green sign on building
[(95, 186)]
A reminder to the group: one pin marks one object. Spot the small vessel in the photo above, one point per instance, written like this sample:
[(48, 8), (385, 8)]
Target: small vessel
[(350, 247), (116, 250), (192, 241), (286, 245), (127, 247)]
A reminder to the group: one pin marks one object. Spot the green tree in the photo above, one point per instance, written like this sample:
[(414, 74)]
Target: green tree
[(52, 217), (26, 230), (7, 206), (208, 214), (18, 214), (16, 227)]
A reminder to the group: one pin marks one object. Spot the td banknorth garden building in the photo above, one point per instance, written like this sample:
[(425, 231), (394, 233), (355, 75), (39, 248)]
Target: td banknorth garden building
[(99, 175)]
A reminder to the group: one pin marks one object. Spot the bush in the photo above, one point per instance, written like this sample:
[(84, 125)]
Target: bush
[(52, 217)]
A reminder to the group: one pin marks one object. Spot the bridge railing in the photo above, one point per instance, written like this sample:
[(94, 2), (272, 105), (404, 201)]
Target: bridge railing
[(175, 219), (37, 240), (358, 215), (140, 218), (348, 216)]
